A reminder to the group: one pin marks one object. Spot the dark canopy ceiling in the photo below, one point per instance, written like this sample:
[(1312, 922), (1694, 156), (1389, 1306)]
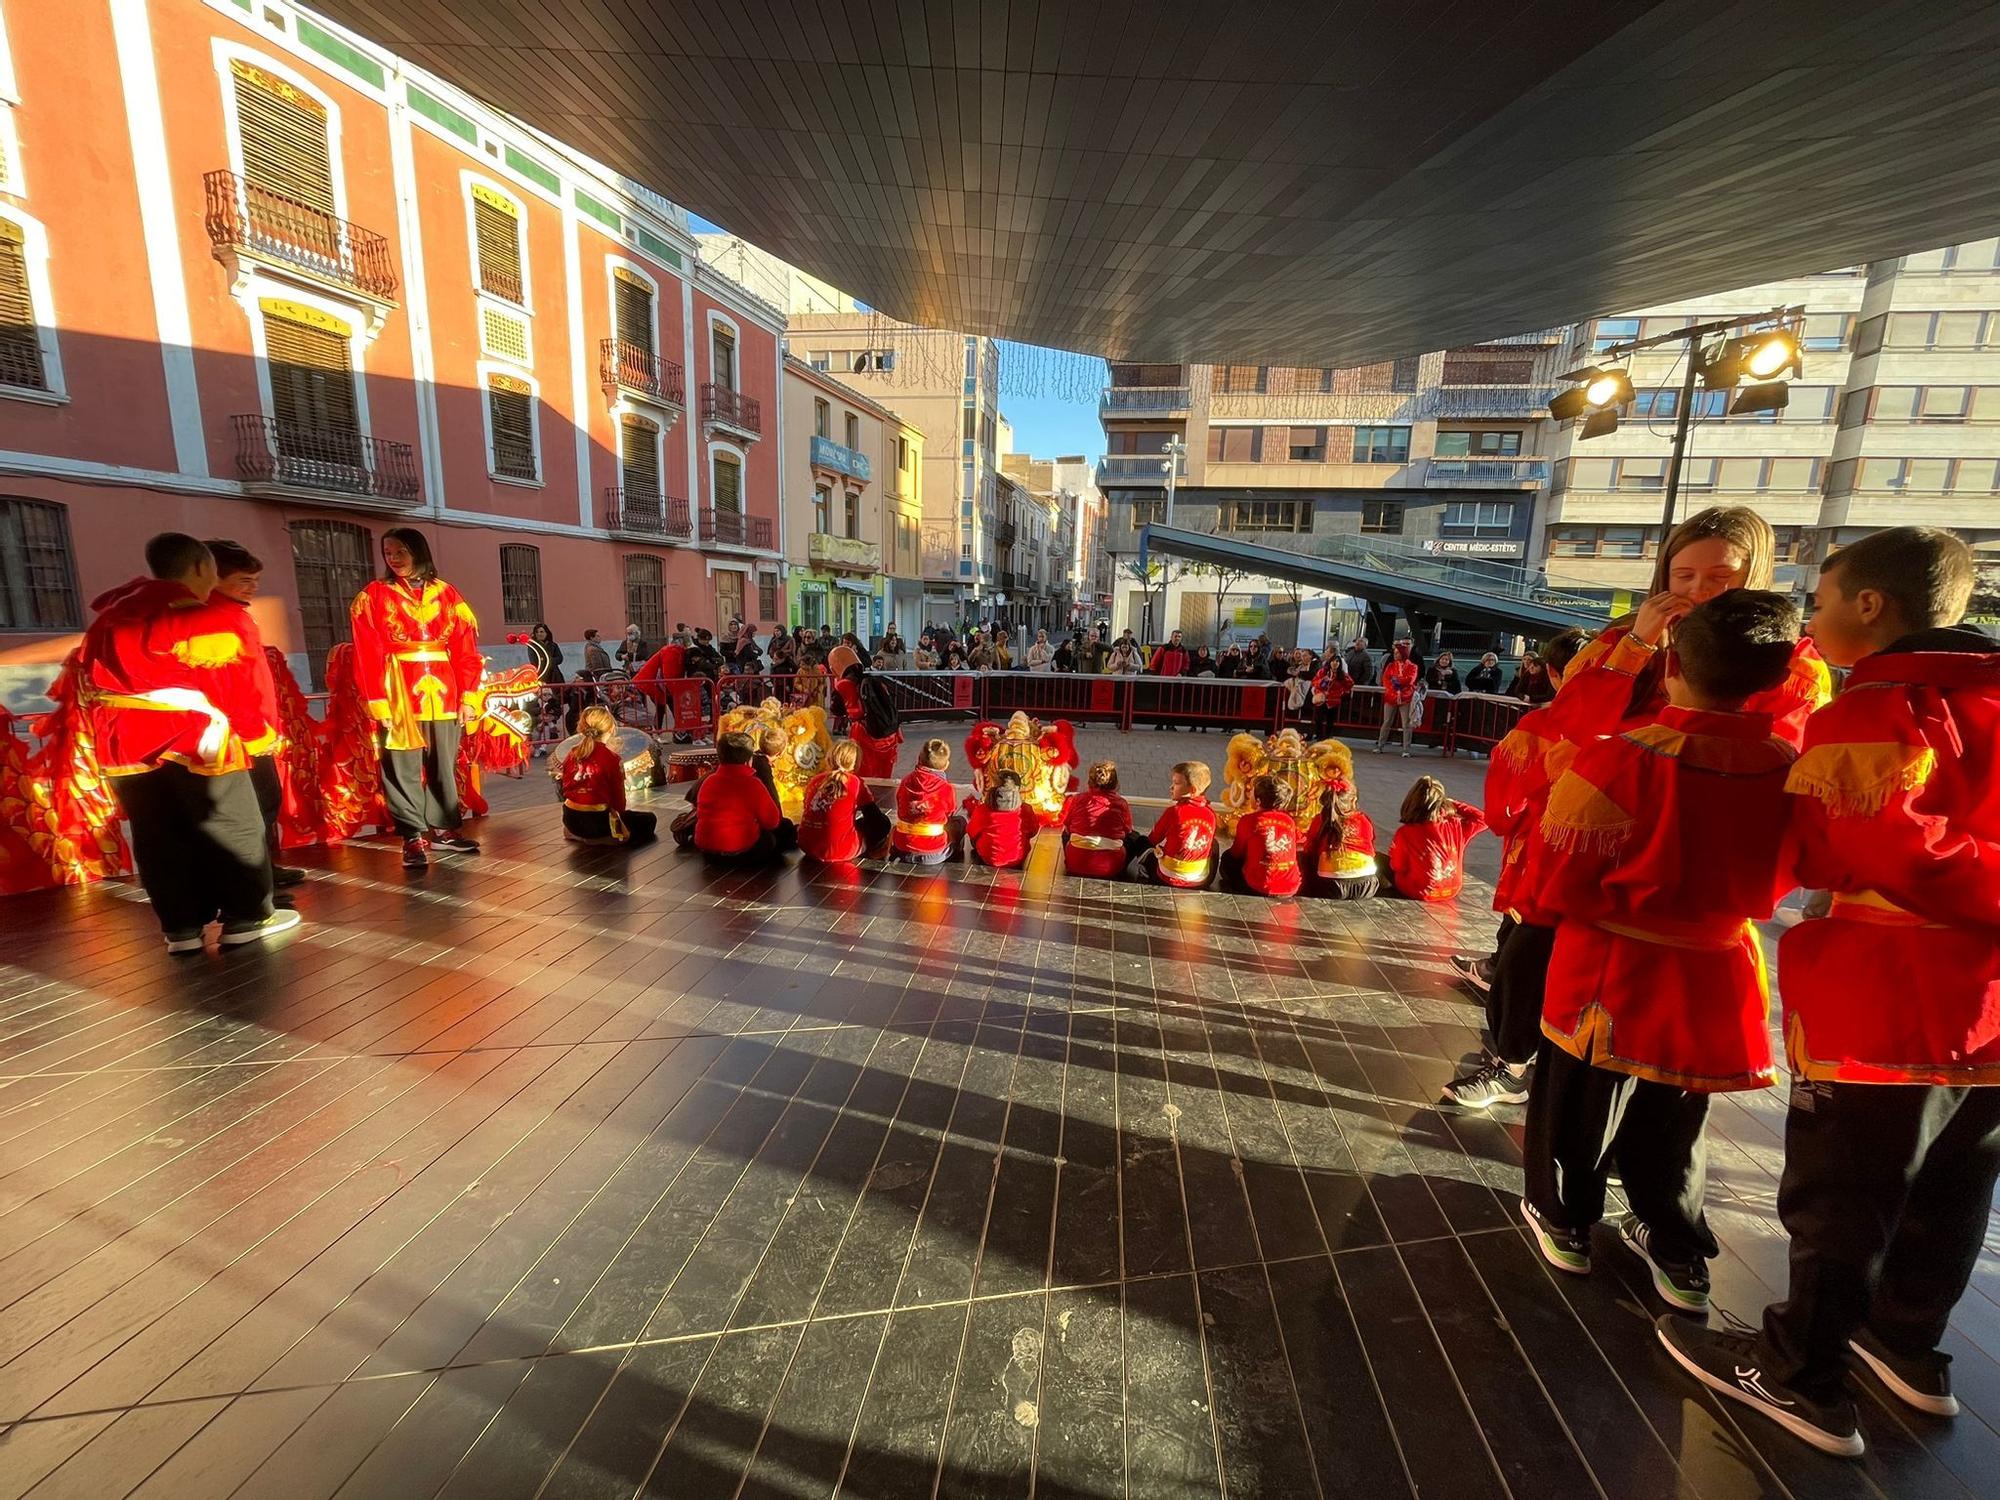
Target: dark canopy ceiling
[(1320, 182)]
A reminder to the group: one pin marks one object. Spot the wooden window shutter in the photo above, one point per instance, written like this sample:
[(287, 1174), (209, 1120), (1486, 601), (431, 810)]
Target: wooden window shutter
[(284, 138), (312, 375), (20, 340), (634, 309), (641, 462), (728, 485), (510, 407), (496, 224)]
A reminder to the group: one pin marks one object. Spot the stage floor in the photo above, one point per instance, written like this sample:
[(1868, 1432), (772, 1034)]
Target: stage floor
[(557, 1172)]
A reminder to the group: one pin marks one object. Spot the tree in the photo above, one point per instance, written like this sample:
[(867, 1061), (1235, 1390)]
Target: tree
[(1154, 571), (1226, 577), (1985, 603), (1296, 592)]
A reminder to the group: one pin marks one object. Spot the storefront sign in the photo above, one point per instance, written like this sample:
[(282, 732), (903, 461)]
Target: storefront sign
[(1446, 546)]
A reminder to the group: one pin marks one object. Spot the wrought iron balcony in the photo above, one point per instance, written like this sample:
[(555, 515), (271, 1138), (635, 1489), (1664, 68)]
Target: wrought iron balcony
[(732, 409), (624, 365), (289, 455), (731, 528), (825, 453), (1004, 534), (646, 514), (1475, 472), (245, 219)]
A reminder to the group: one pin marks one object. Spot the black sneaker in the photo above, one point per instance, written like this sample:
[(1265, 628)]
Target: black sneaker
[(416, 854), (284, 875), (1565, 1249), (255, 932), (1731, 1364), (1476, 972), (1492, 1082), (1682, 1285), (453, 843), (1923, 1383)]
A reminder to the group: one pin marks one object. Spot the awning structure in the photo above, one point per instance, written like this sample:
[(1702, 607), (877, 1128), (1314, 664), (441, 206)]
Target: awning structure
[(1267, 180)]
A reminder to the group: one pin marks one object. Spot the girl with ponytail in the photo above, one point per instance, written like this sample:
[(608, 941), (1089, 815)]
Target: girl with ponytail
[(840, 821), (1098, 840), (592, 778)]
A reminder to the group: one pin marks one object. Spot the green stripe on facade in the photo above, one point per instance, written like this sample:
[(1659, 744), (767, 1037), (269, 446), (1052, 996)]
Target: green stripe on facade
[(243, 5), (440, 113), (658, 248), (533, 170), (337, 52), (604, 213)]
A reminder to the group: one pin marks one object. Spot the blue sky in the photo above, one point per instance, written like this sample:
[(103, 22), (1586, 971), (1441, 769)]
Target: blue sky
[(1043, 425)]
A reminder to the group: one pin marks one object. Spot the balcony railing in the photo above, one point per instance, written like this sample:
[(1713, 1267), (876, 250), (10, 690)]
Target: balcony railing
[(1486, 471), (1003, 534), (732, 409), (1493, 401), (253, 220), (731, 528), (1136, 469), (646, 514), (327, 459), (825, 453), (624, 365), (843, 552), (1144, 398)]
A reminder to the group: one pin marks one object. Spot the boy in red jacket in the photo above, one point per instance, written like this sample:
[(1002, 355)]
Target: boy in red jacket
[(1892, 1002), (1001, 829), (1426, 860), (1263, 857), (735, 818), (1663, 846), (927, 828), (1183, 839)]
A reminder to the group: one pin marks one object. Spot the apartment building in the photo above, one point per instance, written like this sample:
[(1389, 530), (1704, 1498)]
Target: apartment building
[(1440, 453), (1044, 573), (854, 508), (261, 279)]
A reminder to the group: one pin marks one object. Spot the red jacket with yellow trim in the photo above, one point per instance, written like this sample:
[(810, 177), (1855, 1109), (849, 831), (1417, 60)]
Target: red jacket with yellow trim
[(1617, 681), (1662, 847), (416, 655), (924, 801), (1525, 767), (169, 677), (594, 780), (1898, 814), (1096, 814), (1185, 836)]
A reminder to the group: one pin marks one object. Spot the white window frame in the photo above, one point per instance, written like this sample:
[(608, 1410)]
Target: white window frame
[(526, 306), (715, 316), (35, 251), (256, 288), (491, 367), (227, 52), (722, 447), (10, 86), (15, 181)]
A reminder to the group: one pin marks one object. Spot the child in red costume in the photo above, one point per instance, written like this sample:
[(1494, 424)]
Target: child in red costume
[(1182, 843), (1097, 827), (736, 819), (1263, 857), (879, 742), (1619, 678), (592, 778), (1340, 846), (1001, 829), (1426, 860), (1663, 846), (1892, 1002), (835, 827), (927, 827)]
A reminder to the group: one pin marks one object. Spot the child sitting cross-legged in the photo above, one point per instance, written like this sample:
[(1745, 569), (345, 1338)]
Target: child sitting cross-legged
[(927, 829), (1002, 828), (735, 818), (840, 822), (1263, 857), (1662, 847), (593, 789), (1426, 860), (1340, 846), (1097, 827), (1181, 850)]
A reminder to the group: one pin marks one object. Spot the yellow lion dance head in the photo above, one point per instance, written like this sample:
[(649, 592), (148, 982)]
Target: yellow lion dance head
[(1300, 769), (807, 744)]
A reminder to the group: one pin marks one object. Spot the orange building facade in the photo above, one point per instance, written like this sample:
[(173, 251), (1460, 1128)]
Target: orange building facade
[(262, 280)]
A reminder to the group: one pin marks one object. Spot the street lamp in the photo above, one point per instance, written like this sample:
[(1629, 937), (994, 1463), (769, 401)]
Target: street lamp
[(1176, 450)]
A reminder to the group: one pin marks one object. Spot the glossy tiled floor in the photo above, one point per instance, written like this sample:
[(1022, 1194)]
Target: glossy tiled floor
[(550, 1173)]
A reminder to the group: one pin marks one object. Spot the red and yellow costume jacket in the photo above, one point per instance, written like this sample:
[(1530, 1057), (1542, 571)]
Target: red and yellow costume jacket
[(1269, 841), (1898, 814), (1001, 837), (1525, 766), (924, 800), (593, 782), (827, 828), (416, 656), (169, 677), (1351, 858), (1185, 837), (1617, 681), (1427, 860), (1664, 846), (58, 800), (1096, 822)]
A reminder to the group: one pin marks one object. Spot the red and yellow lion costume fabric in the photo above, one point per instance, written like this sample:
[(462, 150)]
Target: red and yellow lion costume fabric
[(1043, 756)]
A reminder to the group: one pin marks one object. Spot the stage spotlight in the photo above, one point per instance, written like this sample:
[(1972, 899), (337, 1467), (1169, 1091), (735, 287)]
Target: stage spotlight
[(1769, 353), (1773, 395), (1613, 388), (1566, 406), (1599, 422)]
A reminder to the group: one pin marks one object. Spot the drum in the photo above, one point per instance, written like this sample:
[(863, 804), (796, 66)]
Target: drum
[(633, 747)]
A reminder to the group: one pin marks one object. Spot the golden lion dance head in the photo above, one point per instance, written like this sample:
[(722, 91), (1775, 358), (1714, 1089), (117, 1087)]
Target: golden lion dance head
[(1301, 771), (1042, 756), (807, 744)]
